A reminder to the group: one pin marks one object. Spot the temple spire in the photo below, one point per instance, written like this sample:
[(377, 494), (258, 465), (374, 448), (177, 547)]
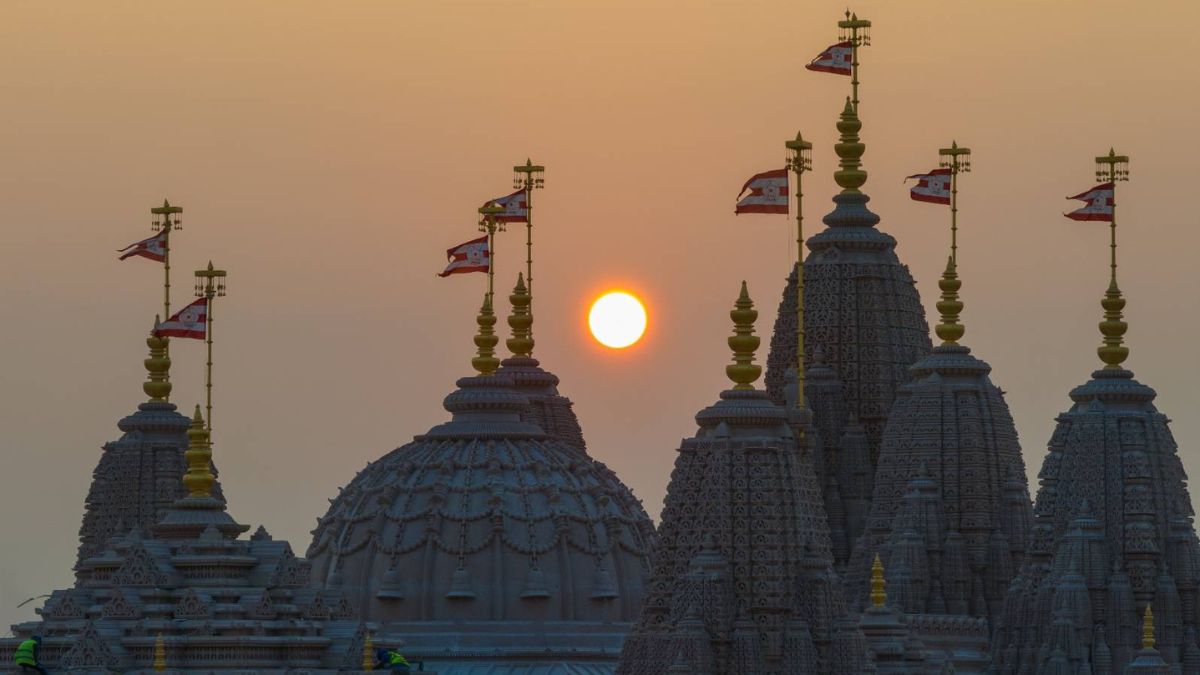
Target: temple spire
[(1148, 629), (158, 366), (1113, 168), (857, 32), (485, 361), (199, 478), (850, 176), (950, 330), (743, 342), (520, 321), (529, 177), (878, 592)]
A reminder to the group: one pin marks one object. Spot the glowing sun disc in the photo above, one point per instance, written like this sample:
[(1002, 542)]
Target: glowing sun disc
[(617, 319)]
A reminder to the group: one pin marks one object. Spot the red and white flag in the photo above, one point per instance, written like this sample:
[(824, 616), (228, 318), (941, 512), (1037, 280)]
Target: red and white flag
[(516, 208), (768, 193), (154, 248), (932, 187), (835, 59), (189, 322), (471, 256), (1099, 204)]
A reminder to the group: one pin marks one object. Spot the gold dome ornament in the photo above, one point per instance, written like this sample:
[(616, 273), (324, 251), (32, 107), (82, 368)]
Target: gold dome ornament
[(743, 372)]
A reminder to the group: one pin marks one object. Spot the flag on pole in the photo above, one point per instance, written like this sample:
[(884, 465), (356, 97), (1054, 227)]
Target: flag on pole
[(836, 59), (1099, 204), (154, 248), (932, 187), (189, 322), (516, 208), (768, 193), (471, 256)]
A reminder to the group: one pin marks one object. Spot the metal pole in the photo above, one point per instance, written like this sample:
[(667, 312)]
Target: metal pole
[(210, 294), (954, 210), (800, 403)]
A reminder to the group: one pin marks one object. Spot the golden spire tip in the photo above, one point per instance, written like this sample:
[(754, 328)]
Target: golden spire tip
[(743, 342), (950, 330), (878, 592), (520, 320), (199, 478), (158, 367), (1148, 629), (485, 361), (850, 174), (1113, 351)]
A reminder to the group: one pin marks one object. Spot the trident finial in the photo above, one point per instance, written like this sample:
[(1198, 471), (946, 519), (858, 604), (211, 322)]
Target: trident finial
[(1148, 629), (485, 362), (878, 594), (158, 383), (520, 321), (199, 477), (849, 149), (950, 330), (743, 342)]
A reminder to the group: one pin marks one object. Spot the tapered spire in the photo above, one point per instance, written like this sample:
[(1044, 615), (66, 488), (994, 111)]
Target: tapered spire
[(950, 330), (878, 591), (743, 342), (1148, 629), (1113, 352), (158, 366), (485, 362), (199, 477), (520, 321), (850, 176)]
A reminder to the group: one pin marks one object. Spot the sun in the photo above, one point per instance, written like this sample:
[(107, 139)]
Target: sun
[(617, 319)]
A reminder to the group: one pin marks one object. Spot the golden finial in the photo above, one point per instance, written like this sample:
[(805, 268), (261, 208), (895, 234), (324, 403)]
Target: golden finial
[(199, 478), (520, 321), (368, 654), (160, 654), (950, 330), (1113, 352), (878, 594), (850, 150), (1148, 629), (743, 342), (486, 362), (158, 383)]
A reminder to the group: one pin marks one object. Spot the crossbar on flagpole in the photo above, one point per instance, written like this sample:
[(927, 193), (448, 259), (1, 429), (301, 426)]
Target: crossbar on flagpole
[(857, 32), (489, 224), (957, 160)]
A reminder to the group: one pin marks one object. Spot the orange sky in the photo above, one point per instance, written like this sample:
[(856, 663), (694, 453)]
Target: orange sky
[(327, 154)]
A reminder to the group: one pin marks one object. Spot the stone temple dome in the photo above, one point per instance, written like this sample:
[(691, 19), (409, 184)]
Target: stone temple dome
[(487, 540)]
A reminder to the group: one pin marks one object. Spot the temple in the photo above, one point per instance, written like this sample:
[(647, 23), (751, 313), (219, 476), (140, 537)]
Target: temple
[(491, 541), (188, 593)]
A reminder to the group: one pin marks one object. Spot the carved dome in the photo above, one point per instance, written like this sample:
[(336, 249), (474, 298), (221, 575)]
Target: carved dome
[(491, 522)]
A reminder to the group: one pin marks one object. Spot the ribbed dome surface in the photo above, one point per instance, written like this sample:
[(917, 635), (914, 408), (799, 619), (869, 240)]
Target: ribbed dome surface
[(489, 521)]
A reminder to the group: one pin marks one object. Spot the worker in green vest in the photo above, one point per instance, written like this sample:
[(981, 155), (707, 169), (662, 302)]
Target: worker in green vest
[(393, 660), (26, 655)]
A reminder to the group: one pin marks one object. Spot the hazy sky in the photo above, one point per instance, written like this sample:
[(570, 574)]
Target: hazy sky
[(327, 154)]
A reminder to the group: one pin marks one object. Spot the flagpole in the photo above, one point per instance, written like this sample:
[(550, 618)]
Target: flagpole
[(528, 176), (958, 160), (857, 32), (799, 160), (166, 225), (210, 284), (488, 223), (1113, 168)]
